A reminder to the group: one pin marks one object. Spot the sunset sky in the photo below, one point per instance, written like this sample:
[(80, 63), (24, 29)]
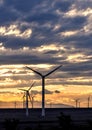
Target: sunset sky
[(44, 34)]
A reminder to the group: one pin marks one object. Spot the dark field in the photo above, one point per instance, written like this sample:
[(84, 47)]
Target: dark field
[(55, 118)]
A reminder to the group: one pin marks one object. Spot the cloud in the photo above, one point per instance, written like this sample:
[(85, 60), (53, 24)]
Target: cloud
[(42, 23), (40, 92), (57, 91), (63, 6), (1, 2), (48, 92), (44, 34), (13, 30)]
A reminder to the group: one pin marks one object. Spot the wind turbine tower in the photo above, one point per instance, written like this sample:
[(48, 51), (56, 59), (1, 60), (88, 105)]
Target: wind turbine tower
[(32, 101), (27, 96), (88, 101), (43, 85), (76, 101), (24, 96)]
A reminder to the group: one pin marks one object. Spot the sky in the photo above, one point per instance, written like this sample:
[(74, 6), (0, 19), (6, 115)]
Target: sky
[(44, 34)]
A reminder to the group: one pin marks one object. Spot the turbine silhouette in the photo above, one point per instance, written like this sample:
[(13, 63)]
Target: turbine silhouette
[(88, 101), (43, 85), (27, 96), (32, 99), (24, 99), (77, 101)]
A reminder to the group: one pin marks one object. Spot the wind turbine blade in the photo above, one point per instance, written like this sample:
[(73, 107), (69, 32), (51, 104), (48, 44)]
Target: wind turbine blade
[(34, 71), (24, 95), (53, 70), (31, 86), (23, 89)]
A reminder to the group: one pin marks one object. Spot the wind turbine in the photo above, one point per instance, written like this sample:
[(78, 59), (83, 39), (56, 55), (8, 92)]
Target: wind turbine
[(24, 99), (88, 101), (76, 101), (43, 85), (27, 95), (79, 104), (32, 100), (15, 103)]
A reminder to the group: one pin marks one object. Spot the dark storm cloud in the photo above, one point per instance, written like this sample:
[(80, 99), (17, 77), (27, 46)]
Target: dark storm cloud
[(80, 4), (73, 23), (78, 66), (51, 52), (84, 42), (37, 14), (80, 40), (15, 42), (78, 69), (42, 18), (48, 20), (62, 5), (7, 16), (26, 59), (39, 92), (22, 5)]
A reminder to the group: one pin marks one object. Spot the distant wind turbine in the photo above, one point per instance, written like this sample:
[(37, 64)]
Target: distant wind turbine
[(24, 99), (79, 104), (43, 85), (15, 103), (76, 101), (27, 96), (32, 100), (88, 101)]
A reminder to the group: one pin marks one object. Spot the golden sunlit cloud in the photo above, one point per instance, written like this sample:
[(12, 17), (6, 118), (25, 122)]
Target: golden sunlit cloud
[(77, 58), (69, 33), (42, 41), (59, 12), (30, 51), (14, 31), (80, 79), (56, 27), (88, 27), (75, 12), (9, 51), (46, 66), (47, 47), (52, 47)]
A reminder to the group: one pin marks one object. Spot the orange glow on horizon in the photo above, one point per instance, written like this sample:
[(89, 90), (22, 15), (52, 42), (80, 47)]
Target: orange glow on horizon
[(14, 77)]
